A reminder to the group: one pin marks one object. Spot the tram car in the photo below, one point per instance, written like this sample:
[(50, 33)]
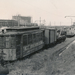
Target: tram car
[(19, 42), (70, 34)]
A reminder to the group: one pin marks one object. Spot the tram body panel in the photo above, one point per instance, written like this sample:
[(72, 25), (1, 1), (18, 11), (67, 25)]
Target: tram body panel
[(32, 48), (10, 54), (32, 43)]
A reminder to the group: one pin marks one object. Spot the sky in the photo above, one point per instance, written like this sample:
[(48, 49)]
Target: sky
[(52, 11)]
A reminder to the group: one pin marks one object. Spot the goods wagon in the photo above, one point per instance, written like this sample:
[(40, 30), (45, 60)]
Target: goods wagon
[(50, 36), (17, 43)]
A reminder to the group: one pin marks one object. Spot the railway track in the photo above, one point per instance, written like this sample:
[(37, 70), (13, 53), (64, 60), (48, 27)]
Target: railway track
[(59, 51)]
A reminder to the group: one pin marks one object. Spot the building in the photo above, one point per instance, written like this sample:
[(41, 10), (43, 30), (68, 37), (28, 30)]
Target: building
[(17, 21), (8, 23), (22, 20)]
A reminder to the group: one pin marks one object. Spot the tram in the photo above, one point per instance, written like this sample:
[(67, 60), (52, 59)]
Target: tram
[(18, 42)]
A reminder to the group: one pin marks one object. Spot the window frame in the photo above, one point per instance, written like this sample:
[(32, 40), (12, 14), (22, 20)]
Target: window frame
[(23, 39)]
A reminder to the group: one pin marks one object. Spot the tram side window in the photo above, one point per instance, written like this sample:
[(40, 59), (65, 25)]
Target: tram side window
[(18, 39), (41, 36), (8, 42), (24, 40), (34, 38), (2, 42), (29, 38), (13, 42), (38, 37)]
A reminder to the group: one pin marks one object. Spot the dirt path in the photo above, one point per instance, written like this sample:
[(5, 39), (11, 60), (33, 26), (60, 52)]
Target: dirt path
[(65, 63)]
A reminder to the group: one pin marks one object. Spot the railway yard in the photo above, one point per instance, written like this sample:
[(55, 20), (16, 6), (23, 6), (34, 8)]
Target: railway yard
[(37, 37), (58, 60)]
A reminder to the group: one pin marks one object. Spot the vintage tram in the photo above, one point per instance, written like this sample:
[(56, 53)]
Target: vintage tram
[(19, 42)]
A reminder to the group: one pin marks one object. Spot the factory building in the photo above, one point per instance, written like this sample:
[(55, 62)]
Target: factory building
[(22, 20), (8, 23), (17, 21)]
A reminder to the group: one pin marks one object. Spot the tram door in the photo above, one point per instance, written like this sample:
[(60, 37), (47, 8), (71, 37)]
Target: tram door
[(24, 43), (18, 46)]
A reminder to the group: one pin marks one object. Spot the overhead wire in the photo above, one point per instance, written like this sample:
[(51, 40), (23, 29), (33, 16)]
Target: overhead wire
[(41, 8)]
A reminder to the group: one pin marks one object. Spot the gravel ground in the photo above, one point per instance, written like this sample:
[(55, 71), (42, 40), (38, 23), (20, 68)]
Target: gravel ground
[(65, 63), (44, 63)]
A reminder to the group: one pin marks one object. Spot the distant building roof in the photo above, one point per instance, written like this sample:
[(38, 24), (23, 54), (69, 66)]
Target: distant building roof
[(22, 19)]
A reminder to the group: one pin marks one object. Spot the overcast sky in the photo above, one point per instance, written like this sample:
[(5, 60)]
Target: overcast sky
[(53, 11)]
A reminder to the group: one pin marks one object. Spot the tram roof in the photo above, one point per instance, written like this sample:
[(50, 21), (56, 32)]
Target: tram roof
[(26, 27), (48, 28), (19, 29), (17, 33)]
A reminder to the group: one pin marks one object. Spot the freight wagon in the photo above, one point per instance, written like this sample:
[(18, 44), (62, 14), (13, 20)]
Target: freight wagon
[(17, 43), (50, 37)]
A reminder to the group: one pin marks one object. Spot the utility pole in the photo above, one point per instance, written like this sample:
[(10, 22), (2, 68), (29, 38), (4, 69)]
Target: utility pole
[(70, 18), (40, 21), (60, 23), (44, 22)]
